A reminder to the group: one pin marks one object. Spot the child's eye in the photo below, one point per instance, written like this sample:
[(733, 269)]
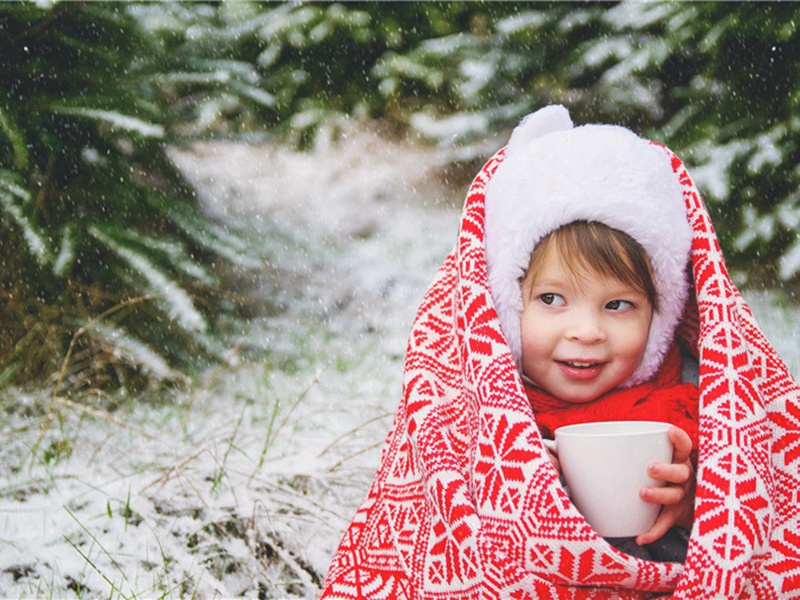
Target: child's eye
[(619, 305), (552, 299)]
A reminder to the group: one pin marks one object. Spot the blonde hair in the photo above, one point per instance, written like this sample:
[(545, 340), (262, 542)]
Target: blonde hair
[(590, 246)]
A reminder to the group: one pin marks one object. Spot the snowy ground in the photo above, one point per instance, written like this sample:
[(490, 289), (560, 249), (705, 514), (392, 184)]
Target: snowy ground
[(244, 484)]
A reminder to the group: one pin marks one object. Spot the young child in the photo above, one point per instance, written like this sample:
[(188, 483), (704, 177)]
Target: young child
[(568, 298), (588, 301), (590, 312)]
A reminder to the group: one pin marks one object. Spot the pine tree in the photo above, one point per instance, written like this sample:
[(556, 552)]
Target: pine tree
[(93, 219)]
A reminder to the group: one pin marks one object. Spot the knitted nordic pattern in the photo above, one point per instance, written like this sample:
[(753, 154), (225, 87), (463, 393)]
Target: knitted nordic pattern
[(465, 503)]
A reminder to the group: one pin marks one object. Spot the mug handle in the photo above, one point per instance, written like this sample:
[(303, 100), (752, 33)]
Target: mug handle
[(553, 447)]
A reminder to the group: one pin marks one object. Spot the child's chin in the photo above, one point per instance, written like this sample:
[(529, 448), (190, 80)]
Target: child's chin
[(582, 396)]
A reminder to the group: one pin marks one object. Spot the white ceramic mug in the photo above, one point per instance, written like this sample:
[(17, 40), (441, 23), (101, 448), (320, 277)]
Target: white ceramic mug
[(605, 467)]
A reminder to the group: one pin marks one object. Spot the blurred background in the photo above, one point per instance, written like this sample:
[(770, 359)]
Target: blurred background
[(94, 216), (217, 220)]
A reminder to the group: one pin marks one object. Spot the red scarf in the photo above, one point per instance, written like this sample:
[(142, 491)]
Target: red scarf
[(662, 398)]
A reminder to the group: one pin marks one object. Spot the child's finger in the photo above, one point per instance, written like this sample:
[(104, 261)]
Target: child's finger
[(664, 522), (678, 473), (681, 442), (667, 496)]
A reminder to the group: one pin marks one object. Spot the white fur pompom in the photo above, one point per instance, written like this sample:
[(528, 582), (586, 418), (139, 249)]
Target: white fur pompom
[(546, 120)]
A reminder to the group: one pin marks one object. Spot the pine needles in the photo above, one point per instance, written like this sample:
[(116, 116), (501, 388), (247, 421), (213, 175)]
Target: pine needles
[(87, 200)]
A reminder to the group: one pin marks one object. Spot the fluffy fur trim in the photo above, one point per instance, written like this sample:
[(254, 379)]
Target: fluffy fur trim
[(554, 174)]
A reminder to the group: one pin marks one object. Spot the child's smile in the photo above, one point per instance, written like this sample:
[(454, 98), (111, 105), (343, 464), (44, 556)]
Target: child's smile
[(581, 371), (583, 333)]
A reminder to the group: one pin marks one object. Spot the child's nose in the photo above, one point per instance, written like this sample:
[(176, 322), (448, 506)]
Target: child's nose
[(587, 328)]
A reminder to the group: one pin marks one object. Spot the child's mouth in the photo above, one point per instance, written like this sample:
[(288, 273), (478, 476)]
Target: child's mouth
[(579, 365), (580, 370)]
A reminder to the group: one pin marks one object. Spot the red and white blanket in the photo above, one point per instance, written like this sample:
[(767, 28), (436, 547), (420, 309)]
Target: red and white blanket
[(465, 503)]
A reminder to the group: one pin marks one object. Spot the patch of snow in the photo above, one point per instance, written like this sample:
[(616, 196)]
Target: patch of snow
[(178, 303), (789, 264), (713, 164), (596, 54), (528, 19), (775, 314), (477, 75), (115, 120)]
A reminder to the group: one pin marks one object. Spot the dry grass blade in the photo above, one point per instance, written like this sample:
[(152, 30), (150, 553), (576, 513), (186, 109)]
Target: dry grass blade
[(273, 431), (211, 377), (54, 399), (353, 431), (354, 455), (102, 415), (164, 478)]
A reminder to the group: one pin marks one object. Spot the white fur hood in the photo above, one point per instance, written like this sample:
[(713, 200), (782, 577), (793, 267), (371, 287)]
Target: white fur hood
[(553, 174)]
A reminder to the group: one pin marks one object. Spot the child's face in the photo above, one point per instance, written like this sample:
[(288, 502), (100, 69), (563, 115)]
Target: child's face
[(581, 336)]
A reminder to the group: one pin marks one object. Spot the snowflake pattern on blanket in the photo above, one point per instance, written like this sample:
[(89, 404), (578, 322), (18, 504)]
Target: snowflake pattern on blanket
[(465, 503)]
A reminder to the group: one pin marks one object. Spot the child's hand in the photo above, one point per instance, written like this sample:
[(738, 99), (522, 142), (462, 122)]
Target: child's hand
[(678, 495)]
